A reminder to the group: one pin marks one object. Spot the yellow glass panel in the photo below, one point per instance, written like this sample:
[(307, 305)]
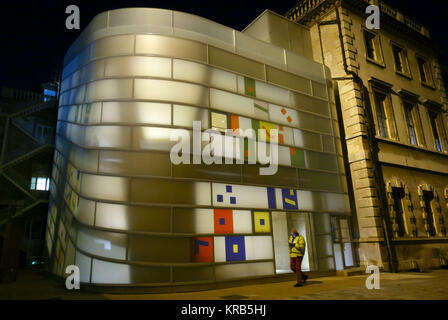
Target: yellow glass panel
[(262, 221), (219, 121)]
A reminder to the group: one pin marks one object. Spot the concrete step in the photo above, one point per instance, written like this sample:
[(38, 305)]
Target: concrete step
[(356, 271)]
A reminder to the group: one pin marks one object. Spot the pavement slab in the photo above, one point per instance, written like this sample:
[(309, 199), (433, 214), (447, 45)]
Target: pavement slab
[(433, 285)]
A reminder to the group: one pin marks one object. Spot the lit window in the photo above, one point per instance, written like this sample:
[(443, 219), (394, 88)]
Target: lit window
[(40, 183), (433, 121), (49, 92), (381, 115), (410, 112), (384, 115), (425, 71), (401, 60), (373, 46), (33, 183), (219, 121)]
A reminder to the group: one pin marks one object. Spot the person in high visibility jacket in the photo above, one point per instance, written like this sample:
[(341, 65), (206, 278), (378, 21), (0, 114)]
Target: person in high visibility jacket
[(296, 243)]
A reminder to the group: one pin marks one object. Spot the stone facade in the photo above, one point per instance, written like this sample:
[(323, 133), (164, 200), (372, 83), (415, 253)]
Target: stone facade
[(392, 238)]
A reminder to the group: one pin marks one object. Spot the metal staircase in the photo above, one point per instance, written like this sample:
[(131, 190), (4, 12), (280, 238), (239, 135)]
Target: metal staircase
[(20, 148)]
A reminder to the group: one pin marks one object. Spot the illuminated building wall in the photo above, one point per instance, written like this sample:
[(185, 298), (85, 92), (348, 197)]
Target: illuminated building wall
[(124, 214)]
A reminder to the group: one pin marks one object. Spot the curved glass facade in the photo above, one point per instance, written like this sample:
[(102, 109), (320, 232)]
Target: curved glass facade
[(124, 214)]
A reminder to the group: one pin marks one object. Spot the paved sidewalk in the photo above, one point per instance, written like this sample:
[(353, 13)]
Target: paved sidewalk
[(34, 284)]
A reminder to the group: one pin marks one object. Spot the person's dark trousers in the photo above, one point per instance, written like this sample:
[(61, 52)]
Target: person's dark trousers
[(296, 266)]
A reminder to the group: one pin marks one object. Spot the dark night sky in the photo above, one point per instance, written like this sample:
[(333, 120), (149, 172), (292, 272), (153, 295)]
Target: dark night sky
[(34, 38)]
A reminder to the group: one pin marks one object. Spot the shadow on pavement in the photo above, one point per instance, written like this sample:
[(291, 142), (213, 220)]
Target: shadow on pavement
[(312, 282)]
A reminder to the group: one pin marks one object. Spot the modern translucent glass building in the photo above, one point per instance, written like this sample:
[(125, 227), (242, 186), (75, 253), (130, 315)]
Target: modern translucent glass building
[(124, 214)]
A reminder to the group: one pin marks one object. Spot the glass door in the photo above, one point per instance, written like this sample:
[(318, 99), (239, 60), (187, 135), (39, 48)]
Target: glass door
[(342, 244), (282, 223)]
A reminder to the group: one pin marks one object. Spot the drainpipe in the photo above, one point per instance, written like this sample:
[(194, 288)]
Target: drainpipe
[(379, 179)]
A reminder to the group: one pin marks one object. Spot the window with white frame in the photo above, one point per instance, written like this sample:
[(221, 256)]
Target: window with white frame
[(40, 183)]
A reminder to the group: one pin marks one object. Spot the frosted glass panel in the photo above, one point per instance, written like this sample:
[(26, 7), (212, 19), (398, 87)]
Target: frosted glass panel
[(336, 202), (149, 138), (150, 274), (319, 201), (304, 139), (326, 264), (239, 196), (162, 250), (324, 246), (163, 191), (244, 270), (242, 221), (108, 136), (319, 180), (322, 161), (187, 220), (109, 89), (103, 244), (322, 223), (258, 247), (184, 116), (314, 123), (137, 112), (155, 18), (234, 62), (138, 66), (202, 27), (232, 103), (307, 103), (91, 113), (135, 218), (84, 211), (103, 187), (121, 162), (193, 274), (280, 233), (282, 115), (195, 72), (84, 159), (288, 80), (108, 272), (320, 90), (168, 46), (328, 144), (171, 91), (93, 71), (76, 95), (272, 93), (112, 46), (83, 263), (259, 50)]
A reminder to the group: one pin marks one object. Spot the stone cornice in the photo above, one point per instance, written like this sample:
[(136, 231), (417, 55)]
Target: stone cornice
[(306, 11)]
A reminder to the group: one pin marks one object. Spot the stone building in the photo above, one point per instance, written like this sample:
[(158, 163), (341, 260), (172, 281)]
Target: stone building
[(392, 101)]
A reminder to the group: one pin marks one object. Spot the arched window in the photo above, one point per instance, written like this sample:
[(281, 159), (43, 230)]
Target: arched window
[(400, 209), (431, 211)]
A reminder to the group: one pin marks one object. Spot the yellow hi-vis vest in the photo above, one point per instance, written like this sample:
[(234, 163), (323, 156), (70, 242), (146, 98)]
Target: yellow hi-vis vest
[(296, 246)]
